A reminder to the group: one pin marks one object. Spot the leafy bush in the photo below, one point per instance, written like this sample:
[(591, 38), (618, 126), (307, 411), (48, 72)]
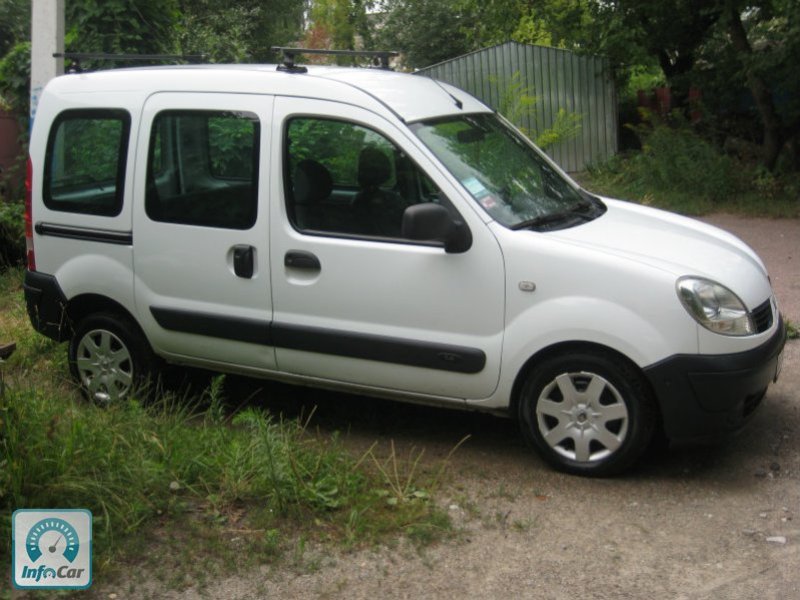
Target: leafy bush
[(12, 233), (679, 170), (676, 169), (15, 78), (676, 158)]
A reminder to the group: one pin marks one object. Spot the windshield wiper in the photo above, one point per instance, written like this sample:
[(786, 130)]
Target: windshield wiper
[(581, 210)]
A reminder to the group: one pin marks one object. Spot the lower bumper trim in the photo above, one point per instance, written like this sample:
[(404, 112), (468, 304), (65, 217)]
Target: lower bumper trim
[(706, 396)]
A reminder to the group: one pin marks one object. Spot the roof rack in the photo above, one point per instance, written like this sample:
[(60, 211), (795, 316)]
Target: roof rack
[(77, 57), (380, 58)]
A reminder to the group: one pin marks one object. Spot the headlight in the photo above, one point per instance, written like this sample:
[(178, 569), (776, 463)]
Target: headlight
[(714, 306)]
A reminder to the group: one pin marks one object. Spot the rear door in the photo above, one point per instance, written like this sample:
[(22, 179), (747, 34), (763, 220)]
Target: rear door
[(353, 300), (200, 228)]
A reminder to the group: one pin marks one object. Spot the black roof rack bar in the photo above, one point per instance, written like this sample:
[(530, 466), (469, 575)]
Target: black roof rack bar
[(77, 57), (381, 57)]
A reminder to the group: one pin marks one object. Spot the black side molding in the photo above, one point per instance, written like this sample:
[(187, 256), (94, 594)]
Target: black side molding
[(415, 353), (229, 328), (87, 234)]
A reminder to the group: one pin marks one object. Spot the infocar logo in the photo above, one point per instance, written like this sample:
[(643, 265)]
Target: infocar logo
[(52, 549)]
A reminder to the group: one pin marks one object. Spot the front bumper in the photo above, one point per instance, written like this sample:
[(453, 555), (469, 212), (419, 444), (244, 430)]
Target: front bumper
[(706, 396)]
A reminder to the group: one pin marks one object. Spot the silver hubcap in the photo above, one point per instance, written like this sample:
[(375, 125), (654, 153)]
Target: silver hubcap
[(104, 365), (582, 416)]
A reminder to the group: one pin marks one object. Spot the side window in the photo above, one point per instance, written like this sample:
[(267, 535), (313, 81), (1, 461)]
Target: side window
[(85, 162), (202, 168), (348, 179)]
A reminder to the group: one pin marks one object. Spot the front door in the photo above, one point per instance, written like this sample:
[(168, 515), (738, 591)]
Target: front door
[(200, 229), (354, 301)]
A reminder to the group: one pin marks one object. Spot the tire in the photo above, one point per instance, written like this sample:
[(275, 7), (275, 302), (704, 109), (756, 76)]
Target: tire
[(110, 358), (587, 412)]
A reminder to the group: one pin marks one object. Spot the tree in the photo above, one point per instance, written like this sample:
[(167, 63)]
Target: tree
[(15, 25), (339, 25), (426, 31), (669, 30), (121, 26), (243, 31), (766, 48)]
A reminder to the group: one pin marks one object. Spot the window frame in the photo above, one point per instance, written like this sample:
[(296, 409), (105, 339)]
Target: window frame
[(288, 180), (253, 181), (104, 114)]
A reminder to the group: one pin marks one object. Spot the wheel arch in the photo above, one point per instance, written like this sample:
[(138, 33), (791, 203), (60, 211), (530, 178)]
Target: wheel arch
[(572, 346), (84, 305)]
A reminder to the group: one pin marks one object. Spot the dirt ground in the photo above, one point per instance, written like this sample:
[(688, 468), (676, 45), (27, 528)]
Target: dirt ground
[(702, 522)]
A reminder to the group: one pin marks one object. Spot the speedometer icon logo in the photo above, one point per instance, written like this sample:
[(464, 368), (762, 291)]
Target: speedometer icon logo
[(53, 536)]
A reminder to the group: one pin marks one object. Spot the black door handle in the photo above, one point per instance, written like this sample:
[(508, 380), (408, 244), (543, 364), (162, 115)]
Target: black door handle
[(244, 260), (300, 259)]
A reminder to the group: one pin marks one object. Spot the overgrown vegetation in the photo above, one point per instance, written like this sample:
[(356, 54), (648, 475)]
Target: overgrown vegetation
[(152, 470), (679, 170)]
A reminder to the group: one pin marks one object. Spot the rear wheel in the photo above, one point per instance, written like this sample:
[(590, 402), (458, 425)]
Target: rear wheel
[(109, 357), (587, 412)]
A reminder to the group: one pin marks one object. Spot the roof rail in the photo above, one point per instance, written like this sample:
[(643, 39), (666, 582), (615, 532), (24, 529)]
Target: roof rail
[(77, 57), (380, 58)]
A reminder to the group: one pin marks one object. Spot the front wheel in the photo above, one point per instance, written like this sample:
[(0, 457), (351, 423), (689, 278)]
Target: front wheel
[(588, 413), (109, 357)]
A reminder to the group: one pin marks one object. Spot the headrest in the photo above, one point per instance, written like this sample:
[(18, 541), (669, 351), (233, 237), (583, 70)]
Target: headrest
[(312, 182), (373, 167)]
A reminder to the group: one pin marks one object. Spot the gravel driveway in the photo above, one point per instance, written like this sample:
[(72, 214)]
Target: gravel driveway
[(710, 522)]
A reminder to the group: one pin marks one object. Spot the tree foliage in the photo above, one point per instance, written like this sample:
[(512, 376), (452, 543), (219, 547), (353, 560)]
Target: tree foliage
[(338, 25), (243, 31), (427, 31), (15, 23), (120, 26)]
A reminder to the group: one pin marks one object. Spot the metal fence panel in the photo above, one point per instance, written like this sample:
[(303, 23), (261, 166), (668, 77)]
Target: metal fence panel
[(559, 79)]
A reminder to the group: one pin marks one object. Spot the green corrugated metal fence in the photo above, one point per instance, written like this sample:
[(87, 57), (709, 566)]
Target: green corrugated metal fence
[(580, 84)]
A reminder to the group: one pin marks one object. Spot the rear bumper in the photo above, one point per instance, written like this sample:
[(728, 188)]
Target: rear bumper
[(707, 396), (46, 305)]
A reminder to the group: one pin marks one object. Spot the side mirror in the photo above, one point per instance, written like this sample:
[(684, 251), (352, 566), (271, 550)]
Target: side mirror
[(433, 222)]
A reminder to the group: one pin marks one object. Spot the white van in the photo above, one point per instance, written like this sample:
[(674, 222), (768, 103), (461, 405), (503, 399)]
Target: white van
[(383, 234)]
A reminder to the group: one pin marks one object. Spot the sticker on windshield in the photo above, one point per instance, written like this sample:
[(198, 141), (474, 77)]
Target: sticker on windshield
[(488, 202), (475, 187)]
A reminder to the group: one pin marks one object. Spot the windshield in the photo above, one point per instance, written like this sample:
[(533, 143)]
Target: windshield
[(503, 172)]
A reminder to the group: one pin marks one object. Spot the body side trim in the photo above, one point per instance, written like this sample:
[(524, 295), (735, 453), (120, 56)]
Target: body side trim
[(230, 328), (88, 234), (417, 353)]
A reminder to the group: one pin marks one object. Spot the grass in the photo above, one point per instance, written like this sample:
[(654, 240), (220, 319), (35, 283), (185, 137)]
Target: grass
[(680, 171), (183, 469)]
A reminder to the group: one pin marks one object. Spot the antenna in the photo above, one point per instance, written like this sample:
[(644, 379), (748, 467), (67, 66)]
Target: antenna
[(380, 58), (458, 103)]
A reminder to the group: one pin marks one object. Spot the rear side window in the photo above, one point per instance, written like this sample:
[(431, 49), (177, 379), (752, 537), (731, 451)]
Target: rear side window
[(203, 168), (85, 162)]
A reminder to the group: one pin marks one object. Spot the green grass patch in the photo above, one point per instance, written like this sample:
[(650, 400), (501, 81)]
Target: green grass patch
[(680, 171), (183, 470), (792, 331)]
